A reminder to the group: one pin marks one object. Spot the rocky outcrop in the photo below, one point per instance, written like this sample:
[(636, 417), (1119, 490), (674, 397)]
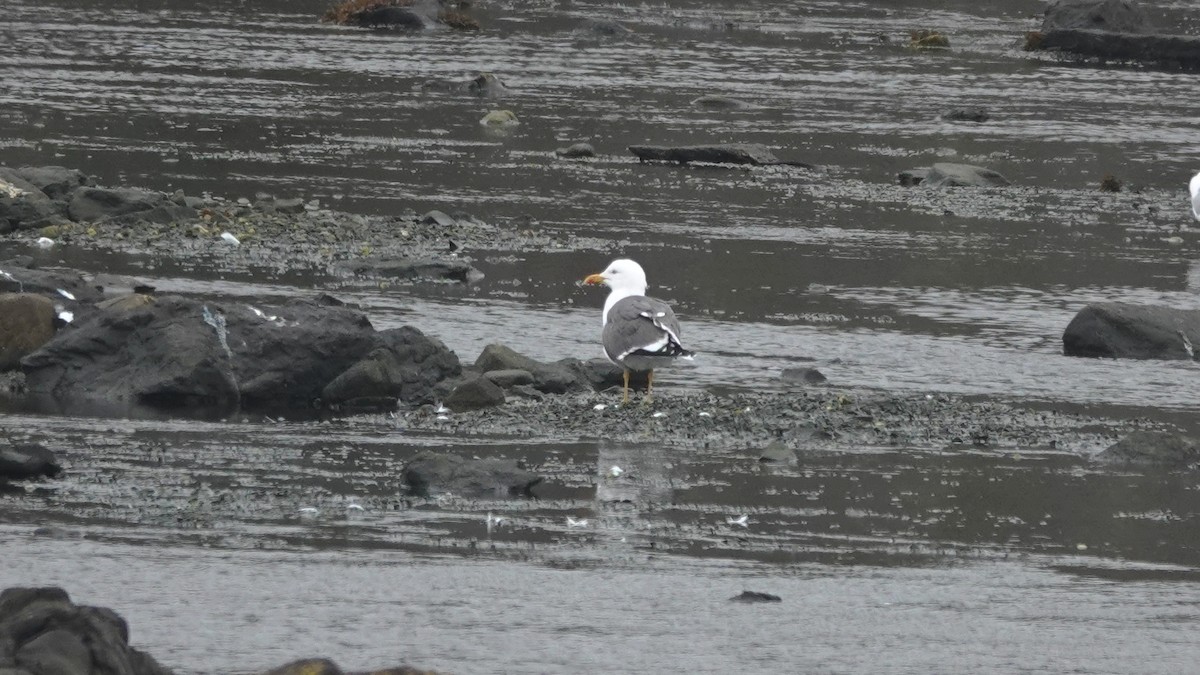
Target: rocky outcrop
[(407, 366), (756, 596), (714, 102), (1153, 448), (1171, 51), (803, 376), (1128, 331), (53, 196), (26, 323), (180, 356), (43, 633), (431, 472), (1111, 30), (166, 356)]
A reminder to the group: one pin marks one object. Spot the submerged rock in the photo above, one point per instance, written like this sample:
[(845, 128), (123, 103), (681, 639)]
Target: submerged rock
[(755, 596), (43, 633), (1155, 448), (500, 118), (327, 667), (23, 461), (724, 153), (431, 472), (714, 102), (410, 269), (803, 376), (1129, 331), (576, 151), (976, 115), (945, 174)]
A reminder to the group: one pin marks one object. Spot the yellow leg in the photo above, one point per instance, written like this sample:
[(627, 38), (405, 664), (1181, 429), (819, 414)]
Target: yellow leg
[(649, 385), (626, 399)]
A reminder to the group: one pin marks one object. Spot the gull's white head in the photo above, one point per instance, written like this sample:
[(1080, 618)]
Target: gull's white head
[(1194, 186), (623, 276)]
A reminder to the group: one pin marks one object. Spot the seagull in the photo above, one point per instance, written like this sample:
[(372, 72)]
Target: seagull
[(1194, 187), (640, 333)]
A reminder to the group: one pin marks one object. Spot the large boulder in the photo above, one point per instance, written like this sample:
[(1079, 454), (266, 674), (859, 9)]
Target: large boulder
[(549, 378), (1153, 448), (1118, 16), (945, 174), (19, 275), (407, 366), (170, 355), (43, 633), (475, 393), (432, 472), (1129, 331), (55, 181), (23, 205), (26, 323), (96, 203), (284, 360)]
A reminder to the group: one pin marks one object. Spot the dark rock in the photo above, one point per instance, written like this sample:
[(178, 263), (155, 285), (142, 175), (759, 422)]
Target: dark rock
[(487, 85), (776, 451), (1169, 51), (43, 633), (55, 182), (26, 323), (94, 203), (436, 217), (805, 376), (602, 28), (24, 206), (1119, 16), (1128, 331), (727, 153), (307, 667), (432, 472), (1155, 448), (407, 367), (286, 364), (47, 282), (712, 102), (410, 269), (289, 206), (944, 174), (475, 393), (977, 115), (602, 374), (161, 214), (576, 151), (911, 177), (22, 461), (548, 378), (389, 16), (162, 356), (509, 378), (755, 596)]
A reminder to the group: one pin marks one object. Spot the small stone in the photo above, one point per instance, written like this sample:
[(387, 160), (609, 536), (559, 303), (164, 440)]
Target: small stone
[(576, 151), (803, 376), (475, 394)]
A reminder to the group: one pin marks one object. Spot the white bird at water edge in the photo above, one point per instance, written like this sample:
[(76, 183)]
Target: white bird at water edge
[(640, 333)]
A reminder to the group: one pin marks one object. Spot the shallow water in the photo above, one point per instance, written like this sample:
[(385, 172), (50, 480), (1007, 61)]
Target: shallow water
[(910, 561)]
